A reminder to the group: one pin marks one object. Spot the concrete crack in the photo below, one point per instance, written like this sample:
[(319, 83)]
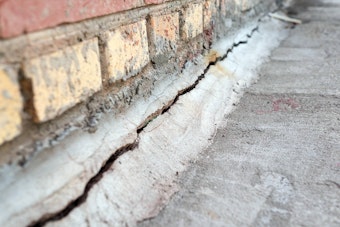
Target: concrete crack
[(167, 107), (82, 198), (51, 217)]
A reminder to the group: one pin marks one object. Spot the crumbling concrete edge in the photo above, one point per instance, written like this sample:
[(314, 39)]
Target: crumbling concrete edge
[(167, 92), (146, 175), (81, 160)]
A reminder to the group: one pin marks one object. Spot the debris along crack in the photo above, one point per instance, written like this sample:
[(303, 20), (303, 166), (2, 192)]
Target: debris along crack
[(82, 198), (51, 217), (193, 86)]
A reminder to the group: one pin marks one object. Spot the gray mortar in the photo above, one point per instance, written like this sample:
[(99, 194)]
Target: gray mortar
[(114, 99), (276, 160), (16, 50)]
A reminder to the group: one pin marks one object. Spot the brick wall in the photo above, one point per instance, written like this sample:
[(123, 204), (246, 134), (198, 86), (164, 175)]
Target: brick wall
[(55, 55), (80, 79)]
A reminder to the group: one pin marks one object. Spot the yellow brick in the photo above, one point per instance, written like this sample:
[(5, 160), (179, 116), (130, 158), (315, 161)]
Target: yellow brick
[(64, 78), (164, 33), (10, 107), (126, 51), (207, 13), (245, 5), (192, 21)]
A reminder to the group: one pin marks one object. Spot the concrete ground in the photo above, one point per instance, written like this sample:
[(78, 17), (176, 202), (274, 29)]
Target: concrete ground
[(277, 161)]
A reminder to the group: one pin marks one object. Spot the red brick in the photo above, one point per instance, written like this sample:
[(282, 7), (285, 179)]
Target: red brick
[(155, 1), (17, 17), (209, 9)]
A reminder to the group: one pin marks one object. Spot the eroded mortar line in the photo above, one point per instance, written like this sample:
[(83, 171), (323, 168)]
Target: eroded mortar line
[(193, 86), (43, 220)]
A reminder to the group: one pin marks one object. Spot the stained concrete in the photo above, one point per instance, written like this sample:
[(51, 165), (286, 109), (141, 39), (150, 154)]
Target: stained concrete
[(277, 160)]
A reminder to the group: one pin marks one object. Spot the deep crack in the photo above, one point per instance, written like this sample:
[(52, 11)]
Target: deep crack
[(193, 86), (107, 165), (82, 198)]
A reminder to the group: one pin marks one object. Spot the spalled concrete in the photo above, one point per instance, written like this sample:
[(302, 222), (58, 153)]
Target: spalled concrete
[(276, 162), (140, 182)]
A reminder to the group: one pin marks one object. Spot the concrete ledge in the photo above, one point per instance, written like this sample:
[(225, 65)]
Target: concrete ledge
[(57, 160)]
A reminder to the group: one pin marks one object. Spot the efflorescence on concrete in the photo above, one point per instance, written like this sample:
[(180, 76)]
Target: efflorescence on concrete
[(123, 69)]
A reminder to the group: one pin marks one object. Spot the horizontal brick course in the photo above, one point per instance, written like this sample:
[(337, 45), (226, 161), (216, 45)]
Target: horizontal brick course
[(62, 79), (59, 80), (126, 51), (10, 106), (17, 17)]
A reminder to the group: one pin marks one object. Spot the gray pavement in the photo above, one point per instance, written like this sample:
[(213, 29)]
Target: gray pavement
[(277, 162)]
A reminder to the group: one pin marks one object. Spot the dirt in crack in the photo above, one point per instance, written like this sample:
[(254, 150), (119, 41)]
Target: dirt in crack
[(199, 78), (82, 198), (96, 178)]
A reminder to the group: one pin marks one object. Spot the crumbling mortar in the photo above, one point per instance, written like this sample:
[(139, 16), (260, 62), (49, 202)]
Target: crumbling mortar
[(111, 100), (112, 106), (97, 177), (108, 101), (52, 39)]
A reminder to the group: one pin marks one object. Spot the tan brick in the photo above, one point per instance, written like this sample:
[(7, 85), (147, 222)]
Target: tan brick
[(192, 21), (164, 33), (10, 106), (64, 78), (126, 51)]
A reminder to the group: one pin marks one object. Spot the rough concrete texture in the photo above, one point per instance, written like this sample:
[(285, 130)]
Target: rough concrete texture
[(276, 162), (140, 182), (71, 183), (247, 4), (59, 174)]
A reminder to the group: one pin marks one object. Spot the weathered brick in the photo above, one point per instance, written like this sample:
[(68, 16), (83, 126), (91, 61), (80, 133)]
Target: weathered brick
[(164, 34), (245, 5), (10, 106), (18, 17), (192, 21), (64, 78), (126, 51), (209, 9)]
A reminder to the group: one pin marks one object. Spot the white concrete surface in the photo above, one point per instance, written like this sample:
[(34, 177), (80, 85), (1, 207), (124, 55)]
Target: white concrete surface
[(277, 160)]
